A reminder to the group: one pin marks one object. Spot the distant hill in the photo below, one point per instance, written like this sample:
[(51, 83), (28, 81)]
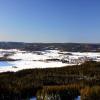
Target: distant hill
[(75, 47)]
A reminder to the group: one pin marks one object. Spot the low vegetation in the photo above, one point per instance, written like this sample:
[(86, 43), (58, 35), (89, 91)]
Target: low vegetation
[(66, 82)]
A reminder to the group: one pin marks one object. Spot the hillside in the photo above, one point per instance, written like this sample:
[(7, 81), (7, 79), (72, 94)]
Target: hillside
[(27, 83), (81, 47)]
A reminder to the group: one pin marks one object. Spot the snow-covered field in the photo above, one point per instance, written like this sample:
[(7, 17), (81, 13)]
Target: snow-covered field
[(43, 59)]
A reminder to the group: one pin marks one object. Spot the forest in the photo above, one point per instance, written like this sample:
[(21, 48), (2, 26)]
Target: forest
[(71, 47)]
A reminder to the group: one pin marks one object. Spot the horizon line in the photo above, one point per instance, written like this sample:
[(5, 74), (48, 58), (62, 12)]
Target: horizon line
[(53, 42)]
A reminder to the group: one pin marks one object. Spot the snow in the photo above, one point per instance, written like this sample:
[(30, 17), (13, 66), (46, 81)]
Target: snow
[(34, 98), (38, 59), (78, 98), (19, 65)]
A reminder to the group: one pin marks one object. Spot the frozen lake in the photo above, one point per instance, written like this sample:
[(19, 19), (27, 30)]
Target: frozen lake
[(5, 64)]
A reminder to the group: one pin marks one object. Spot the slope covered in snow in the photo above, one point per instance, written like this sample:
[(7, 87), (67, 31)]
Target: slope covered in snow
[(43, 59)]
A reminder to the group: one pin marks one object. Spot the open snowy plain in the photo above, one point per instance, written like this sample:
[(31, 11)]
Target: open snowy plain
[(42, 59)]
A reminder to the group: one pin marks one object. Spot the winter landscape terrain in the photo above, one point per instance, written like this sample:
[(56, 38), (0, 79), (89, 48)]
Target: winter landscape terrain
[(38, 71), (15, 59)]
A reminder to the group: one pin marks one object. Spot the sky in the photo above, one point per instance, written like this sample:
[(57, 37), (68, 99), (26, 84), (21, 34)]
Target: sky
[(50, 21)]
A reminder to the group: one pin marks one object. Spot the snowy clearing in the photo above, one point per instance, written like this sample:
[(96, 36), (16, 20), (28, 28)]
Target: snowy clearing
[(43, 59)]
